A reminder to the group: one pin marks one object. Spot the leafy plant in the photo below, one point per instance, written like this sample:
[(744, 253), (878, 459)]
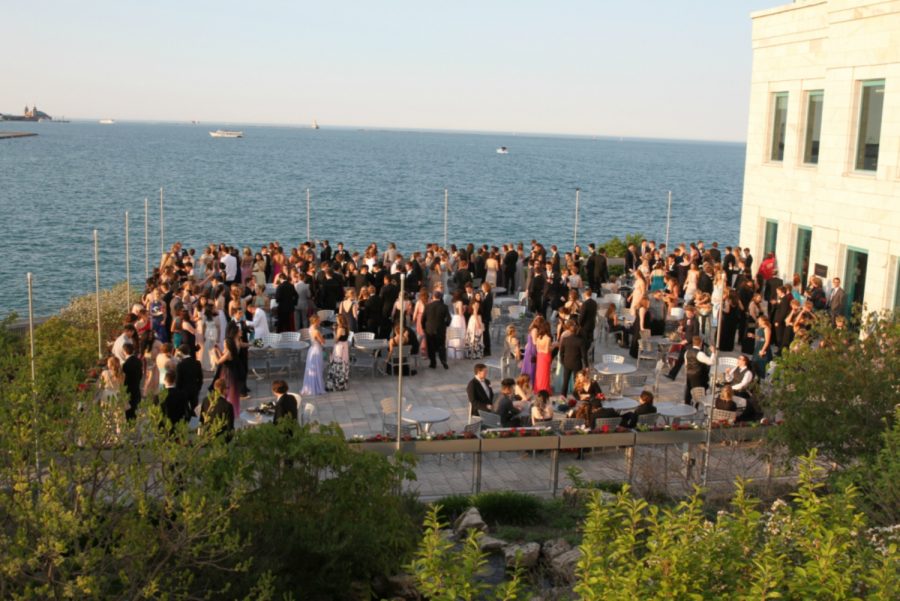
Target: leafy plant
[(508, 507), (616, 247), (452, 506)]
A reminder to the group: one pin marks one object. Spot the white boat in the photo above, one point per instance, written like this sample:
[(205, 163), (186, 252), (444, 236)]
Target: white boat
[(503, 150), (315, 124), (224, 133), (106, 122)]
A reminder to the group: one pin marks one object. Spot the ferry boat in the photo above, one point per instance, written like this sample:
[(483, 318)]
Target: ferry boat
[(503, 150), (106, 122), (224, 133)]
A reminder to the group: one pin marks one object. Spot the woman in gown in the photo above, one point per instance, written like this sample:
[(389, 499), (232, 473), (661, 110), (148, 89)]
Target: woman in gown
[(690, 283), (529, 357), (111, 381), (229, 361), (246, 266), (210, 329), (762, 348), (491, 265), (732, 315), (339, 365), (157, 309), (259, 270), (639, 292), (543, 359), (658, 277), (349, 308), (475, 334), (418, 314), (314, 378), (456, 349), (641, 322)]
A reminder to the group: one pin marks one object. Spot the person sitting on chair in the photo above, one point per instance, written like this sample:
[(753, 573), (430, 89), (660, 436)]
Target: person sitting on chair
[(725, 400), (481, 397), (630, 419), (285, 404), (509, 415)]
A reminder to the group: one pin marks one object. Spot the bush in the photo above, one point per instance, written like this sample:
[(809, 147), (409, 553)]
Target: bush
[(452, 506), (507, 507), (616, 247), (81, 311)]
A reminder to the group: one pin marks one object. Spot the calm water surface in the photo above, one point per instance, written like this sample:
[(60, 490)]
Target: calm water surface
[(366, 186)]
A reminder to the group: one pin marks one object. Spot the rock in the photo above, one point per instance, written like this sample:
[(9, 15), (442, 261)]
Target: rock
[(448, 535), (403, 586), (555, 547), (524, 555), (490, 544), (470, 520), (563, 565)]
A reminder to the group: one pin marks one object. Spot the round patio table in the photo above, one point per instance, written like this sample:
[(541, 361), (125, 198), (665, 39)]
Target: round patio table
[(426, 416), (615, 369), (670, 411), (623, 404), (505, 300)]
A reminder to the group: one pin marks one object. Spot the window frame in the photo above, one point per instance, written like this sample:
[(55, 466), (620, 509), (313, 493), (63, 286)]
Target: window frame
[(807, 132), (773, 134), (859, 160)]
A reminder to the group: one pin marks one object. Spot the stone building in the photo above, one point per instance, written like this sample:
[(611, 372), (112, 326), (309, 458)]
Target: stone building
[(822, 177)]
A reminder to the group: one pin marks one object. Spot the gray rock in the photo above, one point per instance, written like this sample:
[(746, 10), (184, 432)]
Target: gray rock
[(470, 520), (563, 565), (403, 586), (554, 547), (490, 544), (524, 556)]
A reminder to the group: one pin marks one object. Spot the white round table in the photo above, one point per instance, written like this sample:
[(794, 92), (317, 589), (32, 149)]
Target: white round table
[(375, 344), (670, 411), (504, 301), (291, 345), (498, 290), (426, 416), (623, 404), (615, 369)]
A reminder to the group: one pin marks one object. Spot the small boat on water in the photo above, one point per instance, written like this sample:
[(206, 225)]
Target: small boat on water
[(224, 133), (503, 150), (315, 124), (106, 122)]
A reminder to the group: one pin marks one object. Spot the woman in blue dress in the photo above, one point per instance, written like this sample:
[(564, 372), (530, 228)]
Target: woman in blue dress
[(314, 378), (762, 348), (658, 277)]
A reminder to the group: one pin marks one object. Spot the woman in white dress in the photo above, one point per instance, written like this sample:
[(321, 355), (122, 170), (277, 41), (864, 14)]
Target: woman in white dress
[(491, 266), (210, 332), (456, 348), (639, 291), (475, 334), (690, 283)]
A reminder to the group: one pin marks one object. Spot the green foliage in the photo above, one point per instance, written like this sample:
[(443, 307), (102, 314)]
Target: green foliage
[(81, 311), (508, 507), (810, 549), (444, 573), (575, 475), (838, 396), (878, 479), (453, 506), (616, 247)]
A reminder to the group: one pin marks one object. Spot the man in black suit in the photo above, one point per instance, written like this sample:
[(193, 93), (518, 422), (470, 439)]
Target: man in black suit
[(176, 406), (689, 328), (772, 286), (587, 322), (510, 262), (714, 253), (589, 267), (601, 268), (286, 296), (389, 294), (435, 321), (325, 255), (632, 260), (481, 397), (487, 306), (462, 276), (555, 290), (698, 364), (782, 311), (571, 354), (133, 372), (536, 290), (189, 375), (629, 420), (362, 279), (729, 264), (285, 404)]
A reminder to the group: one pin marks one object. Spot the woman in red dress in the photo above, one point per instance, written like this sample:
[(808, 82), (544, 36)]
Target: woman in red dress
[(544, 358)]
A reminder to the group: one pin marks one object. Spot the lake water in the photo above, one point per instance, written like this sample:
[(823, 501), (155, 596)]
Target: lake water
[(366, 185)]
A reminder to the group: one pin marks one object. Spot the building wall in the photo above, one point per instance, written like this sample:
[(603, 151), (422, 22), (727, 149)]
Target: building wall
[(829, 45)]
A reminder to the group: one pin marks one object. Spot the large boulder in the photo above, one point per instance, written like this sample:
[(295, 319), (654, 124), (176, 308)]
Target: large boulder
[(554, 547), (523, 555), (563, 565), (470, 520), (490, 544)]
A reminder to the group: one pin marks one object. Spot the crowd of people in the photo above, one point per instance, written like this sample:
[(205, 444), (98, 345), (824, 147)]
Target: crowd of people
[(200, 311)]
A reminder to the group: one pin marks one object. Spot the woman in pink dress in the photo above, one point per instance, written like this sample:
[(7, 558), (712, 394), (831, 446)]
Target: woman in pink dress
[(544, 359), (418, 313)]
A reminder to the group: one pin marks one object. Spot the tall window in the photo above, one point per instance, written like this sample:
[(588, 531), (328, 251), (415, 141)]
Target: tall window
[(771, 237), (801, 259), (779, 124), (869, 136), (813, 127), (897, 286), (855, 276)]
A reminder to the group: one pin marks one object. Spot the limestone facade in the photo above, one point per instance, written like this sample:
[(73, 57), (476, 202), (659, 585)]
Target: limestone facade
[(838, 47)]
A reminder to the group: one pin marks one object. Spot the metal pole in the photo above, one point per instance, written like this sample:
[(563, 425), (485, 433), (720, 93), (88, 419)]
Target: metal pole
[(127, 268), (715, 377), (400, 360), (146, 238), (308, 235), (577, 201), (37, 460), (446, 214), (97, 285), (162, 226), (668, 220)]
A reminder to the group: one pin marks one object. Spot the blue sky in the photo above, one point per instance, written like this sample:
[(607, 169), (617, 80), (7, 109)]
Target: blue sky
[(672, 69)]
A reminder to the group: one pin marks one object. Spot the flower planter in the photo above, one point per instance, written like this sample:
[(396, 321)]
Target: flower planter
[(520, 443), (590, 441), (739, 434), (431, 447), (670, 437), (385, 448)]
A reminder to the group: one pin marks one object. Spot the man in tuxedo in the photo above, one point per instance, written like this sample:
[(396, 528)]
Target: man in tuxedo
[(487, 306), (632, 260), (176, 406), (362, 279), (133, 372), (285, 404), (510, 262), (779, 318), (555, 290), (325, 255), (690, 329), (601, 269), (729, 264), (435, 321), (714, 253), (748, 261), (698, 364), (462, 276), (481, 397), (536, 290), (836, 299), (571, 354), (189, 375), (772, 286), (587, 322), (389, 294), (589, 267), (553, 259), (286, 296)]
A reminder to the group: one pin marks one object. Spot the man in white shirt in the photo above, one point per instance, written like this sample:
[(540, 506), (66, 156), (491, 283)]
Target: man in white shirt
[(231, 266), (740, 377), (697, 363), (260, 322), (129, 334)]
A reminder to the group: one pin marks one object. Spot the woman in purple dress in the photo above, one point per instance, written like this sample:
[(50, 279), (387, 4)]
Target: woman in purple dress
[(529, 358), (314, 378)]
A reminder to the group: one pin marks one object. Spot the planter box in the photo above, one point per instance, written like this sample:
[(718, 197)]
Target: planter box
[(385, 448), (670, 437), (431, 447), (745, 434), (520, 443), (590, 441)]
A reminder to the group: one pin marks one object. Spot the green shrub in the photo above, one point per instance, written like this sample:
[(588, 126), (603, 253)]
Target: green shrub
[(452, 506), (508, 507), (616, 247)]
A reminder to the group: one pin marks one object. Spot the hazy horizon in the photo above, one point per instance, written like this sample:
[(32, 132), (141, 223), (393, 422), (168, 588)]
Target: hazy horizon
[(654, 70)]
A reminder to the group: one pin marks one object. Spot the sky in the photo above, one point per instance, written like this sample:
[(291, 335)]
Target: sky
[(650, 68)]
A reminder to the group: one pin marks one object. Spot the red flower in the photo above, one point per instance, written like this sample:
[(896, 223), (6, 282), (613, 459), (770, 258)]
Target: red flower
[(572, 402), (604, 429)]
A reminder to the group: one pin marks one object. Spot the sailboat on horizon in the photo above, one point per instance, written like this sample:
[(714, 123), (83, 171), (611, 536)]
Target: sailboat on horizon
[(315, 124)]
